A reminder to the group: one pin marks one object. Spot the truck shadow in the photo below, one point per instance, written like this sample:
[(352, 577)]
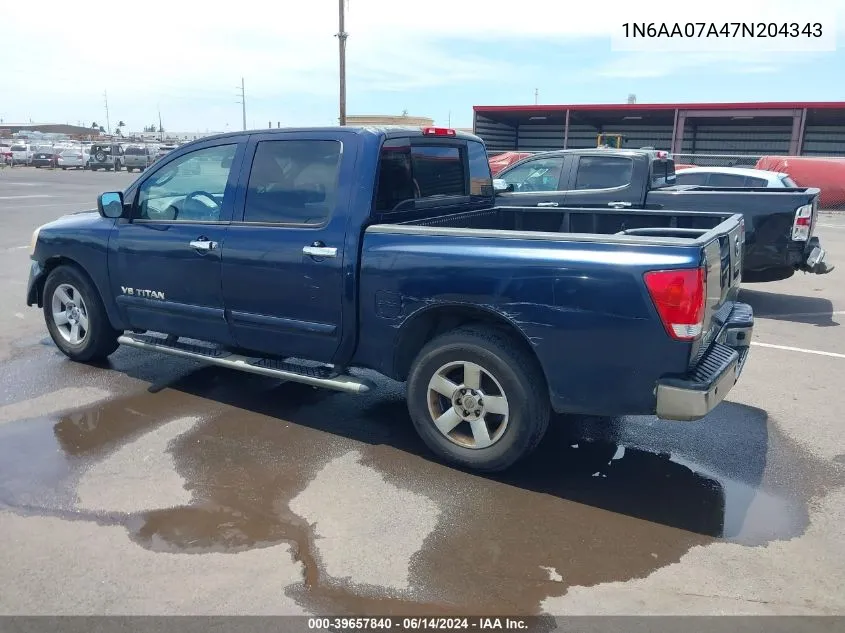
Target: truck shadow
[(816, 311), (700, 477)]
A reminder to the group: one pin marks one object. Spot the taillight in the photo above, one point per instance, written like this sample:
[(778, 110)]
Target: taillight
[(803, 223), (438, 131), (679, 298)]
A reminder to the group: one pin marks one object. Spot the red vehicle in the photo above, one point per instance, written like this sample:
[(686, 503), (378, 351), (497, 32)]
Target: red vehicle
[(505, 159), (826, 173)]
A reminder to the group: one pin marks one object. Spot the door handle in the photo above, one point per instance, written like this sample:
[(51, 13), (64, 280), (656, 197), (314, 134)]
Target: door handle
[(318, 250), (202, 244), (547, 204), (619, 205)]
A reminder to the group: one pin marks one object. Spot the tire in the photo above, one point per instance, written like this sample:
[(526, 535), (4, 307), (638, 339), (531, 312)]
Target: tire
[(508, 374), (69, 293)]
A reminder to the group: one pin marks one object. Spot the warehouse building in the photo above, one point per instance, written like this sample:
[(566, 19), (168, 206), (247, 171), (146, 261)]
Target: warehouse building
[(713, 133)]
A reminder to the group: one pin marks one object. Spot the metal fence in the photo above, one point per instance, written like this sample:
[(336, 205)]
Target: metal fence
[(717, 160)]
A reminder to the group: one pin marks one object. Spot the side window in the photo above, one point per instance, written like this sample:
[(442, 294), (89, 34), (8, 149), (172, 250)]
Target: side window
[(542, 174), (190, 188), (695, 178), (603, 172), (480, 180), (751, 181), (726, 180), (293, 182)]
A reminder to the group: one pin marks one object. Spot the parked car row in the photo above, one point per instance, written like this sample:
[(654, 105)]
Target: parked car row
[(107, 156)]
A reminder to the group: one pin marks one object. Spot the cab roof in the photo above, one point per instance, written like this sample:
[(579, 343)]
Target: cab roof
[(384, 131)]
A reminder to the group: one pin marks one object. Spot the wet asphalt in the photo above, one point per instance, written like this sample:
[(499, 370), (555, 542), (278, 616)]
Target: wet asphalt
[(152, 485)]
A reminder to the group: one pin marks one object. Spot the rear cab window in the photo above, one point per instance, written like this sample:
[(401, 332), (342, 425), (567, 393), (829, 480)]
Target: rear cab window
[(663, 174), (415, 171)]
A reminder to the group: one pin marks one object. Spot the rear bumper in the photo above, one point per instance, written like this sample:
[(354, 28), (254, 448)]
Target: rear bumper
[(814, 258), (693, 396)]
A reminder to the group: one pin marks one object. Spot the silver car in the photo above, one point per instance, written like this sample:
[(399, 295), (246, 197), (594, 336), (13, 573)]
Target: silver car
[(139, 157)]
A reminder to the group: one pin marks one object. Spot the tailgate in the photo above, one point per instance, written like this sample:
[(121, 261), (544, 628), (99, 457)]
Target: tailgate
[(723, 256)]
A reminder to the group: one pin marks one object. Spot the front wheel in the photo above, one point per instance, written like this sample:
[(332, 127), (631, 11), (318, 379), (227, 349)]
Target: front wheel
[(75, 316), (477, 399)]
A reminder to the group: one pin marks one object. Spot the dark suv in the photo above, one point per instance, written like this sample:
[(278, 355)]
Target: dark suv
[(106, 156)]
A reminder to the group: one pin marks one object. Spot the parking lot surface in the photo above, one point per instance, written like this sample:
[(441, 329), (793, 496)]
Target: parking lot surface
[(153, 485)]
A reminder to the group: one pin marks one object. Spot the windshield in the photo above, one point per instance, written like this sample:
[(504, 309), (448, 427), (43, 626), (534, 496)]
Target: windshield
[(788, 182), (18, 148)]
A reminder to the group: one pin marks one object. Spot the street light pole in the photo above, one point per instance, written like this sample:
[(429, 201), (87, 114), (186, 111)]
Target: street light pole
[(341, 39)]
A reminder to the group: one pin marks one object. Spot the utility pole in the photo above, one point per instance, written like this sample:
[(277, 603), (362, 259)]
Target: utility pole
[(536, 96), (108, 124), (243, 100), (341, 40), (160, 127), (449, 124)]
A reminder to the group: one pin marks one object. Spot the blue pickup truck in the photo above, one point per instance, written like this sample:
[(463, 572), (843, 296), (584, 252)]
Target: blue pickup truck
[(317, 255)]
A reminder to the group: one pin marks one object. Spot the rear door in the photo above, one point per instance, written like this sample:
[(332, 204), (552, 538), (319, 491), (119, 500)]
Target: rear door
[(165, 264), (283, 267), (604, 181), (536, 182)]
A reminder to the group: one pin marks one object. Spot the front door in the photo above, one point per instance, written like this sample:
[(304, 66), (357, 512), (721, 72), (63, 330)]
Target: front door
[(165, 267), (283, 266), (536, 183)]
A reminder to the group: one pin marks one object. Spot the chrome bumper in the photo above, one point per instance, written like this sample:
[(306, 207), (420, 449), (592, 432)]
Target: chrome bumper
[(693, 396)]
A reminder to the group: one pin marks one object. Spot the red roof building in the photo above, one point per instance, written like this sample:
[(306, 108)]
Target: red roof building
[(685, 129)]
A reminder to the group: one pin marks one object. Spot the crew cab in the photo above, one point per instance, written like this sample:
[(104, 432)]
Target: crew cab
[(312, 255), (779, 222)]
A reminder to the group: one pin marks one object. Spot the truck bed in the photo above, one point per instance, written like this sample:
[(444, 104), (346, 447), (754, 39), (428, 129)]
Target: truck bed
[(624, 225)]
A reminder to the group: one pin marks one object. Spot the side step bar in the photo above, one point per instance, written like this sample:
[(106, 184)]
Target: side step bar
[(320, 376)]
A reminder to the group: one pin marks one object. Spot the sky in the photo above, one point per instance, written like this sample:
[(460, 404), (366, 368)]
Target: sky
[(434, 58)]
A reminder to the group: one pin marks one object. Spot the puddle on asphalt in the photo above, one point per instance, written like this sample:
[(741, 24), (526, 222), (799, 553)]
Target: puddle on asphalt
[(589, 507)]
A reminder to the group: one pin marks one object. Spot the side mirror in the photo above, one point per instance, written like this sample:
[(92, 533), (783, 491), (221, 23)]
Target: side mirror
[(110, 205), (500, 186)]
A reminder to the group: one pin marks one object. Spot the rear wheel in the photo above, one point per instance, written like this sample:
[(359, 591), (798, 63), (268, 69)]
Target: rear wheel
[(75, 316), (477, 399)]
